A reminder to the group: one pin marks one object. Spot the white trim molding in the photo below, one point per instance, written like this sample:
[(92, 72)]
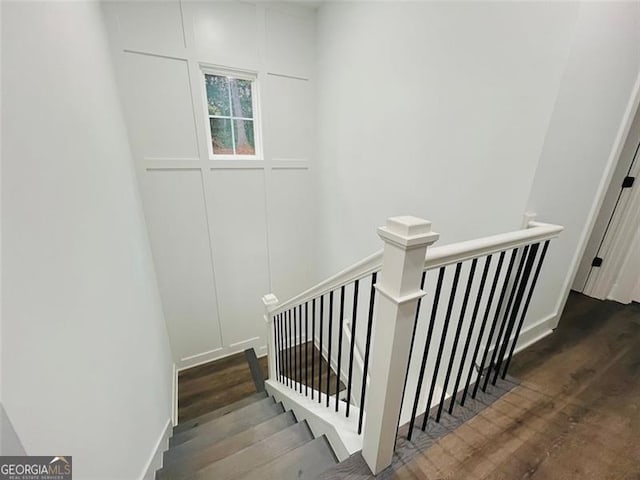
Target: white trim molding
[(154, 462), (617, 244), (341, 432), (174, 396)]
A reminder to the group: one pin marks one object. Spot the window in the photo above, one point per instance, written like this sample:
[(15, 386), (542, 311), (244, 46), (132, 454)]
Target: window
[(232, 119)]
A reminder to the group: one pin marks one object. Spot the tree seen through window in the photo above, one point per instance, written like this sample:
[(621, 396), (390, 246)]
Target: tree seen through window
[(230, 105)]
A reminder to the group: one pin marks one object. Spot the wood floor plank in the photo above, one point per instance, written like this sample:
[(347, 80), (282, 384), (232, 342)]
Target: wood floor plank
[(192, 459), (257, 454), (214, 385), (304, 463), (219, 412), (573, 414), (230, 424), (301, 372)]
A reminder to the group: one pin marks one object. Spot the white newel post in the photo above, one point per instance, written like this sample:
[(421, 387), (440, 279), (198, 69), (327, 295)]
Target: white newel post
[(405, 244), (270, 302)]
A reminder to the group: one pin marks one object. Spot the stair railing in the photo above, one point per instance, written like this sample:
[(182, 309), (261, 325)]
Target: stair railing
[(380, 298)]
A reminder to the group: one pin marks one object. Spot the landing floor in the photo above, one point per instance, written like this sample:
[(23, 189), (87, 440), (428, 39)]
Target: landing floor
[(213, 385), (574, 415)]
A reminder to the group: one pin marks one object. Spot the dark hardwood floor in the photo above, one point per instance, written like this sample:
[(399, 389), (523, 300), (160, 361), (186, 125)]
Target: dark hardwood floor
[(302, 372), (574, 414), (213, 385)]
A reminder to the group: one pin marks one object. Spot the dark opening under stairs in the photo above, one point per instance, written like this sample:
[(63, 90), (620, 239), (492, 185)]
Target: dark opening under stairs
[(252, 438)]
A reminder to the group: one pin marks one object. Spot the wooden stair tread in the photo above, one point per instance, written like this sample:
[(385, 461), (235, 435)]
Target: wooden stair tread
[(181, 427), (186, 457), (305, 462), (229, 424), (254, 456)]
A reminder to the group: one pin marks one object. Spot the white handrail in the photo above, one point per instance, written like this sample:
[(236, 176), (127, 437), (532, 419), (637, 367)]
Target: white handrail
[(461, 251), (358, 270), (436, 257)]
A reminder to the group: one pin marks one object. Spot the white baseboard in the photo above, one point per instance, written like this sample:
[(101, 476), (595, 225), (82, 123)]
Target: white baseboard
[(155, 460), (536, 332), (219, 353), (174, 396)]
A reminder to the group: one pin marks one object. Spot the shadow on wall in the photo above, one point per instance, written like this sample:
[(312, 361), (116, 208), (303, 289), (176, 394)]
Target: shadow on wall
[(9, 442)]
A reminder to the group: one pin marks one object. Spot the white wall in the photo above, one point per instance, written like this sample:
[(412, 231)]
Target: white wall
[(614, 204), (437, 110), (223, 233), (593, 108), (86, 367), (470, 115)]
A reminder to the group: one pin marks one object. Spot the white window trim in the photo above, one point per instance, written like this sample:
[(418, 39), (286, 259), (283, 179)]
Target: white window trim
[(255, 105)]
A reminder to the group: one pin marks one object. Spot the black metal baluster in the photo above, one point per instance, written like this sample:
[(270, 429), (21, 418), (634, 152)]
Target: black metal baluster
[(526, 306), (456, 338), (313, 345), (365, 369), (330, 341), (283, 338), (443, 338), (320, 346), (354, 317), (483, 325), (282, 351), (276, 344), (413, 339), (295, 348), (516, 308), (427, 344), (289, 353), (496, 317), (306, 349), (340, 332), (300, 348), (472, 325), (506, 320)]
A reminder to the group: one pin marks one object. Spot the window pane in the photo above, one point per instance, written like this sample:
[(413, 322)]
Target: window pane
[(217, 95), (221, 138), (241, 102), (245, 143)]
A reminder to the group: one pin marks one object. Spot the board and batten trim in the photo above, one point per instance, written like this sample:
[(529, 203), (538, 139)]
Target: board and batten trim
[(188, 51)]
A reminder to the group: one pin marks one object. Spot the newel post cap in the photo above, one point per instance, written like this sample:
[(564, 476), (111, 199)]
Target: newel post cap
[(408, 232), (270, 301)]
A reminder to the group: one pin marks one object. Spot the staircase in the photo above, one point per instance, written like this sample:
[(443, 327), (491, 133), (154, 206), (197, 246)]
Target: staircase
[(249, 439), (361, 354)]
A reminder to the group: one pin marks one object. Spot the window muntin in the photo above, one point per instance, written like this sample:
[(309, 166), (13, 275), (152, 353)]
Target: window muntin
[(231, 110)]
